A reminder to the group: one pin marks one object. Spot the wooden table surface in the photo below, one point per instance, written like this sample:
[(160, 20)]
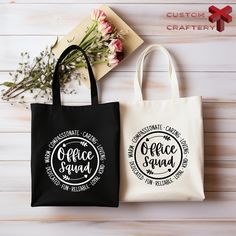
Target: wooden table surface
[(206, 64)]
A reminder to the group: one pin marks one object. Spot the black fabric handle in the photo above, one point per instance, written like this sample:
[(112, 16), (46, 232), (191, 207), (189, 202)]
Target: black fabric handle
[(56, 98)]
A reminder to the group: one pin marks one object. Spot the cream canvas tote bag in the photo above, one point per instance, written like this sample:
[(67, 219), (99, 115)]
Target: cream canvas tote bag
[(162, 156)]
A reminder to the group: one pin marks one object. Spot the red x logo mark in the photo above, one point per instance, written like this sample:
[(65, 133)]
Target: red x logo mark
[(220, 16)]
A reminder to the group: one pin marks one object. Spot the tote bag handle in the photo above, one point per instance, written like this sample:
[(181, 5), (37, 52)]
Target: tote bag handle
[(139, 72), (56, 98)]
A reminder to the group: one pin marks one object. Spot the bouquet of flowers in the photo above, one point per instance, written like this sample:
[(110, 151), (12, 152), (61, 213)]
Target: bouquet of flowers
[(102, 44)]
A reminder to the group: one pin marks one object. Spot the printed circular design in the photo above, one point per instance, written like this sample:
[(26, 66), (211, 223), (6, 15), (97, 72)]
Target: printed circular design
[(84, 161), (158, 155)]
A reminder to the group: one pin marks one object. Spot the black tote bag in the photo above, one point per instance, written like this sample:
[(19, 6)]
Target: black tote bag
[(75, 149)]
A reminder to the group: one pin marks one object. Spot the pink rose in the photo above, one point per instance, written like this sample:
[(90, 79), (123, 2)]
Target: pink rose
[(113, 60), (98, 15), (116, 45), (104, 27)]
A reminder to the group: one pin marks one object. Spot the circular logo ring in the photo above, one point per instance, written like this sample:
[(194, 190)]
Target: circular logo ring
[(156, 132), (87, 180)]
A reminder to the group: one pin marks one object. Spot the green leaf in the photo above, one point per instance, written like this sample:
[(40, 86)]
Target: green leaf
[(8, 84)]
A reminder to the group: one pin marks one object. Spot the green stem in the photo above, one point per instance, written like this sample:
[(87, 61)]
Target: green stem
[(88, 42), (24, 90), (72, 55), (93, 26), (75, 55), (100, 50), (82, 65), (71, 58)]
